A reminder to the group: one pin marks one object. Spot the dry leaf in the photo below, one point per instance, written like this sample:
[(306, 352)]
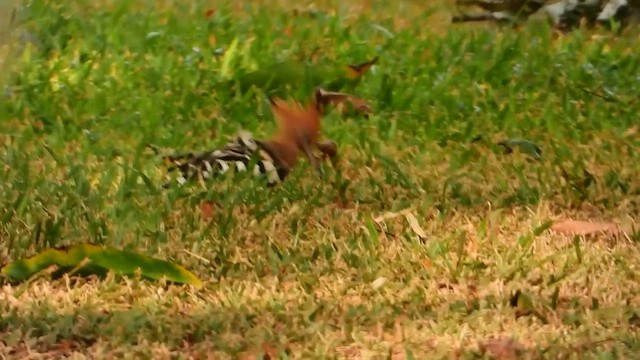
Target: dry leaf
[(391, 215), (209, 13), (415, 226), (342, 203), (631, 132), (501, 348), (65, 346), (206, 210), (377, 283), (576, 227), (267, 351)]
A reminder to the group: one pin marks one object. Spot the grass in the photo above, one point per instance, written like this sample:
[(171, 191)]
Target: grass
[(290, 270)]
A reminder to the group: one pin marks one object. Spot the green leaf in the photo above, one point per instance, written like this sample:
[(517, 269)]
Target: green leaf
[(526, 146), (576, 247), (460, 250), (408, 354), (373, 233), (542, 228), (229, 56), (92, 259), (522, 302)]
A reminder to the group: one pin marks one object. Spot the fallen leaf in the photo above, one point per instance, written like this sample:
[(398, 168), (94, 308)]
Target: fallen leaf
[(415, 226), (631, 132), (391, 215), (87, 259), (342, 203), (206, 210), (526, 146), (65, 346), (269, 351), (502, 348), (576, 227), (266, 352), (209, 13), (523, 303), (377, 283)]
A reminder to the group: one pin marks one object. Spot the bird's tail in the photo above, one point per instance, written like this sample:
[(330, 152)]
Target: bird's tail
[(238, 154)]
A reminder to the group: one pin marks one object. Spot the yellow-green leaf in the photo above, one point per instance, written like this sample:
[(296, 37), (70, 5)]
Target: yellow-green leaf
[(92, 259), (229, 56)]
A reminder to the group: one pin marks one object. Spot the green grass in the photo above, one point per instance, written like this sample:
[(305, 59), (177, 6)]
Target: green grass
[(289, 268)]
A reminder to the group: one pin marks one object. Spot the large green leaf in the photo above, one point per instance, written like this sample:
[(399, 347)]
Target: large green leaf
[(88, 259)]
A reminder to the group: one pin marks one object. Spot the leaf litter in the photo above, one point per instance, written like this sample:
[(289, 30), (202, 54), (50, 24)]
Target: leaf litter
[(504, 348), (584, 228)]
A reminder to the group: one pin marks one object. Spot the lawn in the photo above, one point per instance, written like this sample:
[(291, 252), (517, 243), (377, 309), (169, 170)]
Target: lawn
[(428, 241)]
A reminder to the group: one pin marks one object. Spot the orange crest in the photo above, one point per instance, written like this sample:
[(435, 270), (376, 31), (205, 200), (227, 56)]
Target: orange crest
[(296, 123)]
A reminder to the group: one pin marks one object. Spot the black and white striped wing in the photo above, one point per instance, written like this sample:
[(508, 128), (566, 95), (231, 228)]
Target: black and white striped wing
[(238, 154)]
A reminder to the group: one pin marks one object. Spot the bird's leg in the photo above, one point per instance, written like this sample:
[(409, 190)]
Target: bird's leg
[(304, 143)]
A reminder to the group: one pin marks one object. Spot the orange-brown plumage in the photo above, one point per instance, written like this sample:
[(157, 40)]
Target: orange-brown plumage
[(296, 121), (298, 131), (298, 134)]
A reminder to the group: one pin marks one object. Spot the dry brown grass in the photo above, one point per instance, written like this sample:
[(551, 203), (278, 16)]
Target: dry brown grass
[(421, 260)]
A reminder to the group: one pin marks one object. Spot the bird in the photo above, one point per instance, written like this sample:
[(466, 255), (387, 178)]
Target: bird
[(273, 79), (622, 11), (564, 15), (500, 10), (298, 134)]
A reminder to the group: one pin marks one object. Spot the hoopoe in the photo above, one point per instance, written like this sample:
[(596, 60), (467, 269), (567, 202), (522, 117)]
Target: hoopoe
[(500, 10), (623, 11), (298, 134), (563, 14)]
